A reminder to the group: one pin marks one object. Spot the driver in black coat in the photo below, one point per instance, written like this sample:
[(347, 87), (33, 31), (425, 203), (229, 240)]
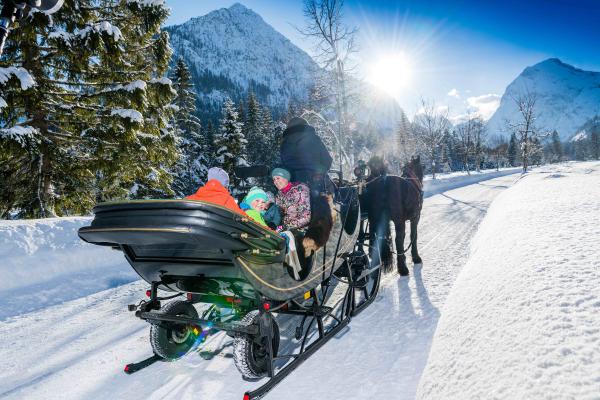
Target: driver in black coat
[(304, 155)]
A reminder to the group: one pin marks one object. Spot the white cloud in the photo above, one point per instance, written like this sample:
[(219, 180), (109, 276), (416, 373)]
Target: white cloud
[(484, 105), (454, 93)]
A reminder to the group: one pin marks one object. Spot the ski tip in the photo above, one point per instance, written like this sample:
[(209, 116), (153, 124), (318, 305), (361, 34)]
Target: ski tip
[(127, 369), (246, 396)]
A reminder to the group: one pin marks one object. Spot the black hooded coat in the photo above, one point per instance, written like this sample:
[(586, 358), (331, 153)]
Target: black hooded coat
[(302, 151)]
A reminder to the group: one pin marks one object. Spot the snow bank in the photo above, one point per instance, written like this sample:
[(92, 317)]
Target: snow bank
[(454, 180), (523, 319), (43, 262)]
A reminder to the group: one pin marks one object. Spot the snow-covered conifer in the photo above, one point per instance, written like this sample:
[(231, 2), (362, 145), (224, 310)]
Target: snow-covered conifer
[(230, 143), (595, 142), (254, 131), (512, 150), (405, 140), (557, 152), (85, 117), (210, 135), (190, 170)]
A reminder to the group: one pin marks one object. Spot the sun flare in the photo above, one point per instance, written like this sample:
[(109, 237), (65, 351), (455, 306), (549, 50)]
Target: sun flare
[(391, 73)]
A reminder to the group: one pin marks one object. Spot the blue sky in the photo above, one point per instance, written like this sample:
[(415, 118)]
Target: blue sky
[(460, 53)]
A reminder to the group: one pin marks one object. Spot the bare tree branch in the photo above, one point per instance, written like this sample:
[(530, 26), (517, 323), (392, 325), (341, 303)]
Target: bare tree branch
[(334, 46), (432, 126), (525, 128)]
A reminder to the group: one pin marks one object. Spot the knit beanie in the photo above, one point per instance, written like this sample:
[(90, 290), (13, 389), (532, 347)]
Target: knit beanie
[(219, 174), (282, 172), (255, 193)]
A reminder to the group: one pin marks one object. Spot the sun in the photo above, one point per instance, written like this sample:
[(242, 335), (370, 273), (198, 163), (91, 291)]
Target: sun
[(391, 73)]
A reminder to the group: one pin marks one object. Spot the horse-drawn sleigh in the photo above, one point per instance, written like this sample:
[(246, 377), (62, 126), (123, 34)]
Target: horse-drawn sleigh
[(234, 270)]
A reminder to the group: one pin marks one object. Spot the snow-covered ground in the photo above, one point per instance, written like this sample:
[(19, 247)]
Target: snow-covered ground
[(88, 340), (523, 319), (43, 262), (452, 180)]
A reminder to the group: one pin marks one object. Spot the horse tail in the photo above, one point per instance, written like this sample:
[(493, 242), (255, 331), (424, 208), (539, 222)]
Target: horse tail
[(381, 243), (387, 259)]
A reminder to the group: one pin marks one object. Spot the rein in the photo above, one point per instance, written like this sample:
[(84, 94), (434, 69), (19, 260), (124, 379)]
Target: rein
[(411, 179)]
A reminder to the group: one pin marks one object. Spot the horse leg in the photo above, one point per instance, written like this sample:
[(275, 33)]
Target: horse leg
[(414, 252), (400, 232)]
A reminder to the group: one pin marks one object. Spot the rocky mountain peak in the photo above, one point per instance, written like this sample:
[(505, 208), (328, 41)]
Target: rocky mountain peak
[(567, 97)]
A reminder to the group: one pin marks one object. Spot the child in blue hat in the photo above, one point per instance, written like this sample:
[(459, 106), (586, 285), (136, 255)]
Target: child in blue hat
[(255, 204)]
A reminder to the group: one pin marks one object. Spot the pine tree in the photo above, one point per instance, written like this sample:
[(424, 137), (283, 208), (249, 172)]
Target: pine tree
[(580, 149), (536, 151), (557, 152), (230, 143), (271, 137), (210, 135), (86, 116), (241, 113), (254, 131), (191, 168), (450, 146), (276, 134), (512, 150), (405, 140), (478, 147), (595, 143)]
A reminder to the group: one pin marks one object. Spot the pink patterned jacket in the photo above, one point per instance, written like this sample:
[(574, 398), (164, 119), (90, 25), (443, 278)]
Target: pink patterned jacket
[(294, 202)]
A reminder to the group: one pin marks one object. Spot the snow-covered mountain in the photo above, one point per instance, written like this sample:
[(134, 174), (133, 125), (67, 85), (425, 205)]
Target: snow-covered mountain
[(232, 50), (567, 97), (585, 132)]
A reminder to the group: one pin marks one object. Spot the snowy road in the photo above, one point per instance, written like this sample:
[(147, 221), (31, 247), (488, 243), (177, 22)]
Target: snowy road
[(77, 349)]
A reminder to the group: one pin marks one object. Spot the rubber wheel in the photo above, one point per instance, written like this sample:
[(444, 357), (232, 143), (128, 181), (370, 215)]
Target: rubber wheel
[(250, 353), (173, 341)]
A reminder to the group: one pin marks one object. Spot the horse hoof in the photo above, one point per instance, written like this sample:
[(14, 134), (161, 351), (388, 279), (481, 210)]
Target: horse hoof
[(403, 270)]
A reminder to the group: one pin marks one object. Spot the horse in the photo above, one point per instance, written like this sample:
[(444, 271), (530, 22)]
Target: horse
[(398, 199)]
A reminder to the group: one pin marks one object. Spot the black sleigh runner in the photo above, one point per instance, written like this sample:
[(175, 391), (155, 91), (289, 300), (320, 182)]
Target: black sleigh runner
[(214, 259)]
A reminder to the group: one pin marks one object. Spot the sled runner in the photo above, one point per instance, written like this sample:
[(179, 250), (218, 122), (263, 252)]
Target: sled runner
[(234, 270)]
